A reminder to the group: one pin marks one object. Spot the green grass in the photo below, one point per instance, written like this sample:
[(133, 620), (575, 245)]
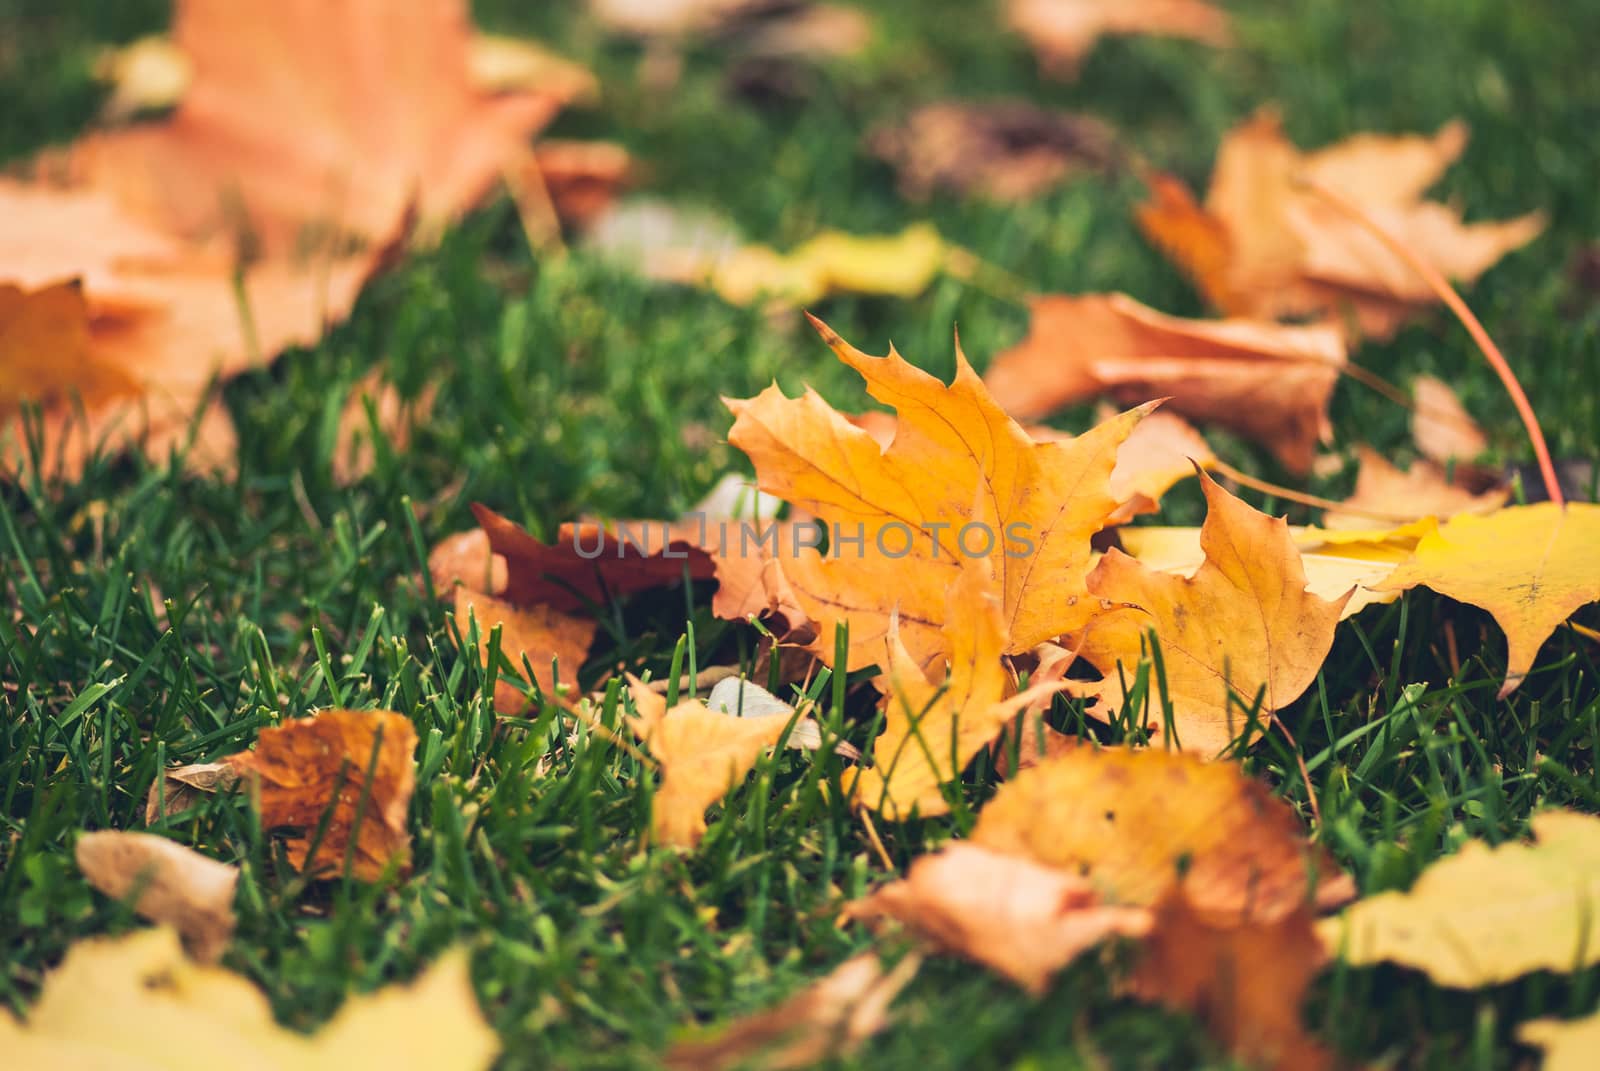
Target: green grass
[(153, 618)]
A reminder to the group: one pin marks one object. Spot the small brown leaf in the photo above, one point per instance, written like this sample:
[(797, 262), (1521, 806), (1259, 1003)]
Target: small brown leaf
[(543, 634), (466, 559), (176, 885), (178, 789)]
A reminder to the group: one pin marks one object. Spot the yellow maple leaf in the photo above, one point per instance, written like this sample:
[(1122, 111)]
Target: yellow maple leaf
[(136, 1002), (1487, 914), (1531, 567), (1243, 625), (961, 484)]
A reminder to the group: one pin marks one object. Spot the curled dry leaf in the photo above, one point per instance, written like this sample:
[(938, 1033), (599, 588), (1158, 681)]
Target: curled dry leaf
[(137, 1002), (962, 485), (1242, 627), (931, 731), (1006, 150), (466, 559), (828, 1019), (179, 788), (1441, 426), (1423, 490), (702, 755), (1487, 915), (1531, 567), (1247, 983), (1137, 823), (303, 769), (1266, 246), (176, 886), (552, 642), (1267, 381), (1018, 917), (1063, 31), (375, 408)]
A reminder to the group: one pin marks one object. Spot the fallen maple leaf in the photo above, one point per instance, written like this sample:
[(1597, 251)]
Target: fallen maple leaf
[(829, 1018), (1441, 426), (175, 885), (1531, 567), (136, 1002), (1244, 625), (549, 639), (1063, 31), (932, 731), (335, 767), (1006, 150), (1424, 490), (703, 753), (903, 522), (304, 117), (1266, 246), (1137, 823), (1568, 1045), (1247, 983), (466, 558), (1487, 914), (1269, 382), (1018, 917)]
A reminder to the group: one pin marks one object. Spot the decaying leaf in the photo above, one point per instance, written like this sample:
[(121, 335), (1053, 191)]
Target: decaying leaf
[(1487, 914), (1136, 823), (1423, 490), (550, 640), (137, 1002), (1247, 983), (1269, 382), (931, 731), (179, 788), (829, 1018), (1441, 426), (176, 886), (961, 485), (376, 408), (301, 770), (1568, 1045), (1006, 151), (1242, 626), (381, 115), (702, 755), (1531, 567), (1063, 31), (1018, 917), (1266, 246)]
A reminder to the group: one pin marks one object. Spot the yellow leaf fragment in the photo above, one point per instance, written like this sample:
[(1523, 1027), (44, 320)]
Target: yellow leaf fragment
[(1487, 914), (1568, 1046), (176, 885), (899, 265), (1242, 625), (1018, 917), (1531, 567), (1136, 823), (135, 1002)]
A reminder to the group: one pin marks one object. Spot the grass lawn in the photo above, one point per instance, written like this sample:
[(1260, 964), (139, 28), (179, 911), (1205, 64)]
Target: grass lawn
[(152, 618)]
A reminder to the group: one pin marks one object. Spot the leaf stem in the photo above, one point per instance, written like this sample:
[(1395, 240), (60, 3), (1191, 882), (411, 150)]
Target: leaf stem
[(1291, 495)]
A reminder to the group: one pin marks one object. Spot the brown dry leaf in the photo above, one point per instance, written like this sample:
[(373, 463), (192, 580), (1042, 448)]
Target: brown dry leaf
[(1246, 983), (1441, 426), (355, 453), (308, 118), (466, 559), (180, 788), (931, 731), (581, 178), (1424, 490), (1005, 151), (301, 769), (1018, 917), (1136, 822), (1269, 382), (549, 639), (1062, 32), (1531, 567), (1265, 246), (45, 353), (592, 562), (828, 1019), (136, 1002), (176, 885), (702, 754), (962, 484), (1243, 625)]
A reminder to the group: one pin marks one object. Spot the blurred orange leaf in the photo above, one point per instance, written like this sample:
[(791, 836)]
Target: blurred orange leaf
[(1062, 32)]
